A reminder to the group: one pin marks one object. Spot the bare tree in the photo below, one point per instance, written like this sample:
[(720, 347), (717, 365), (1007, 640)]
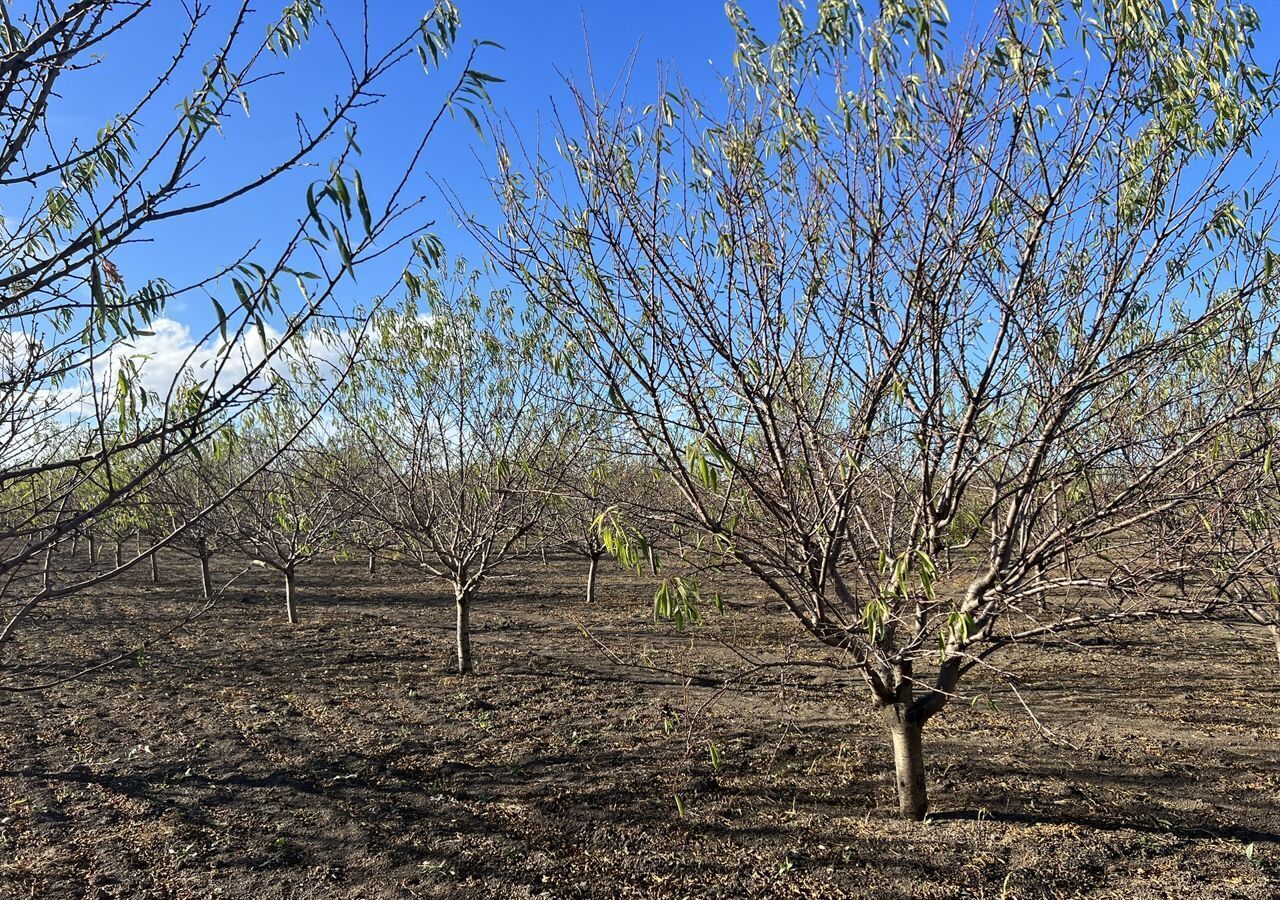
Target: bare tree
[(597, 482), (896, 323), (463, 406), (290, 510), (178, 504)]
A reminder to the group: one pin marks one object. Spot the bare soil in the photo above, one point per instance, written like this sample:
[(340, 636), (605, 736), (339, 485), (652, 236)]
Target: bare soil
[(339, 758)]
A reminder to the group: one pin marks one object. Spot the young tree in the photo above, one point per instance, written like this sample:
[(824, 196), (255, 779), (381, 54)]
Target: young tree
[(583, 504), (595, 483), (118, 527), (290, 510), (896, 322), (74, 398), (365, 530), (371, 536), (184, 506), (464, 407)]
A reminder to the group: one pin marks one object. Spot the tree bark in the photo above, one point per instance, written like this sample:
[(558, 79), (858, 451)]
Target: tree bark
[(206, 580), (907, 732), (591, 577), (373, 563), (464, 633), (290, 601), (119, 556), (155, 567), (93, 550), (1275, 636)]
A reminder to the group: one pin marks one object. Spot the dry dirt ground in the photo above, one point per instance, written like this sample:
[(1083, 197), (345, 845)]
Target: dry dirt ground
[(340, 759)]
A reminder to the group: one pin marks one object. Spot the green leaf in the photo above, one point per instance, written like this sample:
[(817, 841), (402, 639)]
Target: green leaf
[(343, 250), (222, 319), (363, 203), (312, 209), (475, 122), (343, 195)]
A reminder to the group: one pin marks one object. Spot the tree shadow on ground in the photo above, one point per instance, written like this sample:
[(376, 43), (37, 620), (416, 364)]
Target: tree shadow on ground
[(1184, 829)]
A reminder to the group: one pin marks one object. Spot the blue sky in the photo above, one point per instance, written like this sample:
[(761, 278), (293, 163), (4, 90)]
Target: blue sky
[(544, 43)]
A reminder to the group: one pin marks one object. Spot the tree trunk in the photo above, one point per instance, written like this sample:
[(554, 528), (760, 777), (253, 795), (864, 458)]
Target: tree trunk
[(1275, 636), (47, 573), (373, 563), (119, 557), (93, 550), (591, 577), (290, 601), (206, 580), (464, 633), (908, 762), (155, 567)]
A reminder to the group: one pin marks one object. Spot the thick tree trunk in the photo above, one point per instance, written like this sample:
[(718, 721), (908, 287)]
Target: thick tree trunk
[(907, 732), (290, 600), (464, 633), (591, 577), (206, 580)]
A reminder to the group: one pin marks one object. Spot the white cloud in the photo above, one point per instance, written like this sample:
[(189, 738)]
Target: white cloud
[(37, 414), (171, 351)]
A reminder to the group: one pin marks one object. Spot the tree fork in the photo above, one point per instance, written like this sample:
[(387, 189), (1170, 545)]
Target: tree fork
[(906, 716)]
